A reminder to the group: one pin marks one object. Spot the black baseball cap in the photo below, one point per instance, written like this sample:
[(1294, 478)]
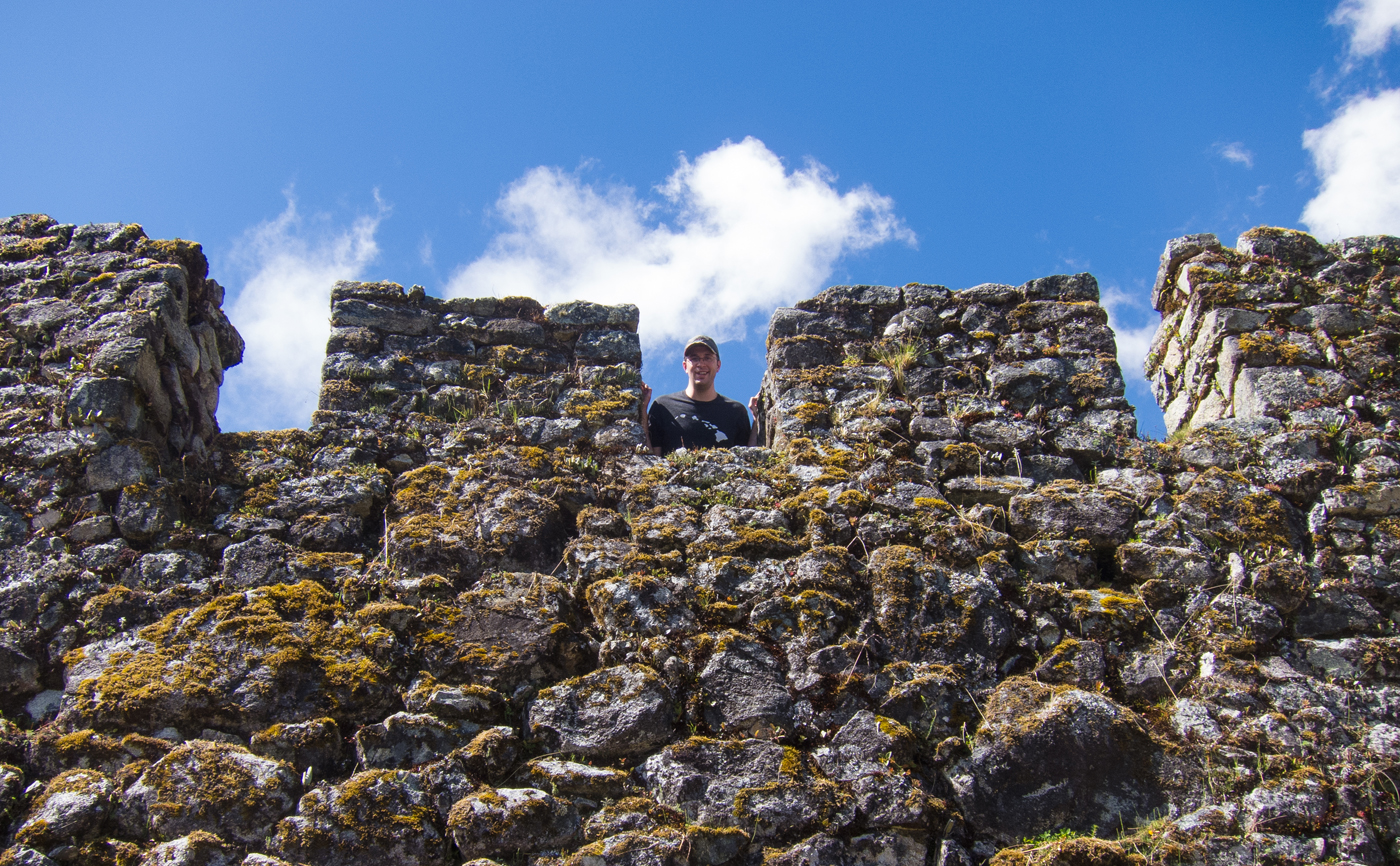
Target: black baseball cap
[(702, 340)]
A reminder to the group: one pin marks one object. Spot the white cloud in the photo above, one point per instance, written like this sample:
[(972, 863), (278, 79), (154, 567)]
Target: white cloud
[(747, 236), (1235, 151), (283, 313), (1372, 24), (1133, 343), (1357, 158)]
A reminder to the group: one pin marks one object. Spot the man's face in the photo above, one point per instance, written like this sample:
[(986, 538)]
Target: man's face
[(701, 365)]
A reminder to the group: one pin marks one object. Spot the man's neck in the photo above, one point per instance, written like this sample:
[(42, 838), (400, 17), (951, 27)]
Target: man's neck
[(700, 396)]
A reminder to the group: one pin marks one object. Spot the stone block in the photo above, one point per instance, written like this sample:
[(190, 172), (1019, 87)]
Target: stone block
[(395, 319), (585, 313), (608, 347), (1277, 391)]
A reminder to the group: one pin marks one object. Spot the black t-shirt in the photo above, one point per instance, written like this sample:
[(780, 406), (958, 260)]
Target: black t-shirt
[(676, 421)]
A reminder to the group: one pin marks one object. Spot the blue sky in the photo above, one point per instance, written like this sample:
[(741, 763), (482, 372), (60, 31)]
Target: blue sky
[(571, 147)]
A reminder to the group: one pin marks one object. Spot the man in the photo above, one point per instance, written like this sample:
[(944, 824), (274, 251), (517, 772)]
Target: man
[(699, 416)]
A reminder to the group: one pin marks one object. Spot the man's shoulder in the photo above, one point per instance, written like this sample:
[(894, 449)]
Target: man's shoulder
[(682, 400), (674, 400), (722, 404)]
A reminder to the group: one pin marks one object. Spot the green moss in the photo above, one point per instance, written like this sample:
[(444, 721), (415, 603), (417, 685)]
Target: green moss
[(290, 630), (812, 413), (30, 248), (425, 490), (1265, 343), (597, 407)]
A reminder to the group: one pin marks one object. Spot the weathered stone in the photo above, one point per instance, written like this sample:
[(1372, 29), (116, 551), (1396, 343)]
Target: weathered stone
[(1028, 382), (178, 794), (1152, 674), (1333, 612), (743, 783), (166, 569), (352, 313), (470, 702), (74, 805), (197, 849), (867, 744), (633, 814), (1182, 566), (109, 400), (315, 744), (19, 672), (743, 689), (654, 847), (890, 849), (1276, 391), (1075, 663), (586, 313), (614, 712), (47, 449), (986, 489), (1286, 246), (259, 561), (1065, 509), (1384, 740), (1368, 499), (1046, 759), (406, 740), (582, 780), (496, 820), (144, 512), (641, 605), (1178, 251), (1290, 808), (271, 654), (492, 638), (376, 816), (609, 347)]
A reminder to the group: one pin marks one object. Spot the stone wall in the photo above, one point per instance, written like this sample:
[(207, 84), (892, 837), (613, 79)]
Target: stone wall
[(1279, 327), (563, 374), (113, 350), (992, 388), (956, 613)]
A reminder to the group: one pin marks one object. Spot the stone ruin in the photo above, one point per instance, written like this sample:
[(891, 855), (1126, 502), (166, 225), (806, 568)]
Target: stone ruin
[(956, 612)]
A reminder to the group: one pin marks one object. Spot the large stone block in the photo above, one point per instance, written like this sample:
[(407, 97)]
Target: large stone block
[(1277, 391), (1047, 758)]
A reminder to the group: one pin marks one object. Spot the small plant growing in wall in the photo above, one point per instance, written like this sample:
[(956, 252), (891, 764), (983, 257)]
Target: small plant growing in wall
[(899, 356)]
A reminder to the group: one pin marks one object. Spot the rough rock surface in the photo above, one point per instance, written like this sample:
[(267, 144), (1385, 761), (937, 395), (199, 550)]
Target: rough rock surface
[(214, 787), (377, 816), (955, 611), (610, 713), (498, 820), (1048, 758)]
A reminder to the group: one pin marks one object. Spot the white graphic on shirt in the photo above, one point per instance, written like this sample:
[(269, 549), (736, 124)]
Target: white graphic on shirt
[(719, 434)]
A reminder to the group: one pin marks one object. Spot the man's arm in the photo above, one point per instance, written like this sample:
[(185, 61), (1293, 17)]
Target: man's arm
[(753, 427), (645, 407)]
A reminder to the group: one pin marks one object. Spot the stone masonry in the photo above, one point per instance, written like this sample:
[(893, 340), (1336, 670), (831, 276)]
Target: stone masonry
[(954, 612)]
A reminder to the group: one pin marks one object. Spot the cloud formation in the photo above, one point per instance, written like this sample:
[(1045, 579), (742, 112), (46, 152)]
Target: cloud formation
[(746, 236), (1356, 155), (1357, 159), (282, 311), (1235, 151), (1372, 24), (1133, 342)]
